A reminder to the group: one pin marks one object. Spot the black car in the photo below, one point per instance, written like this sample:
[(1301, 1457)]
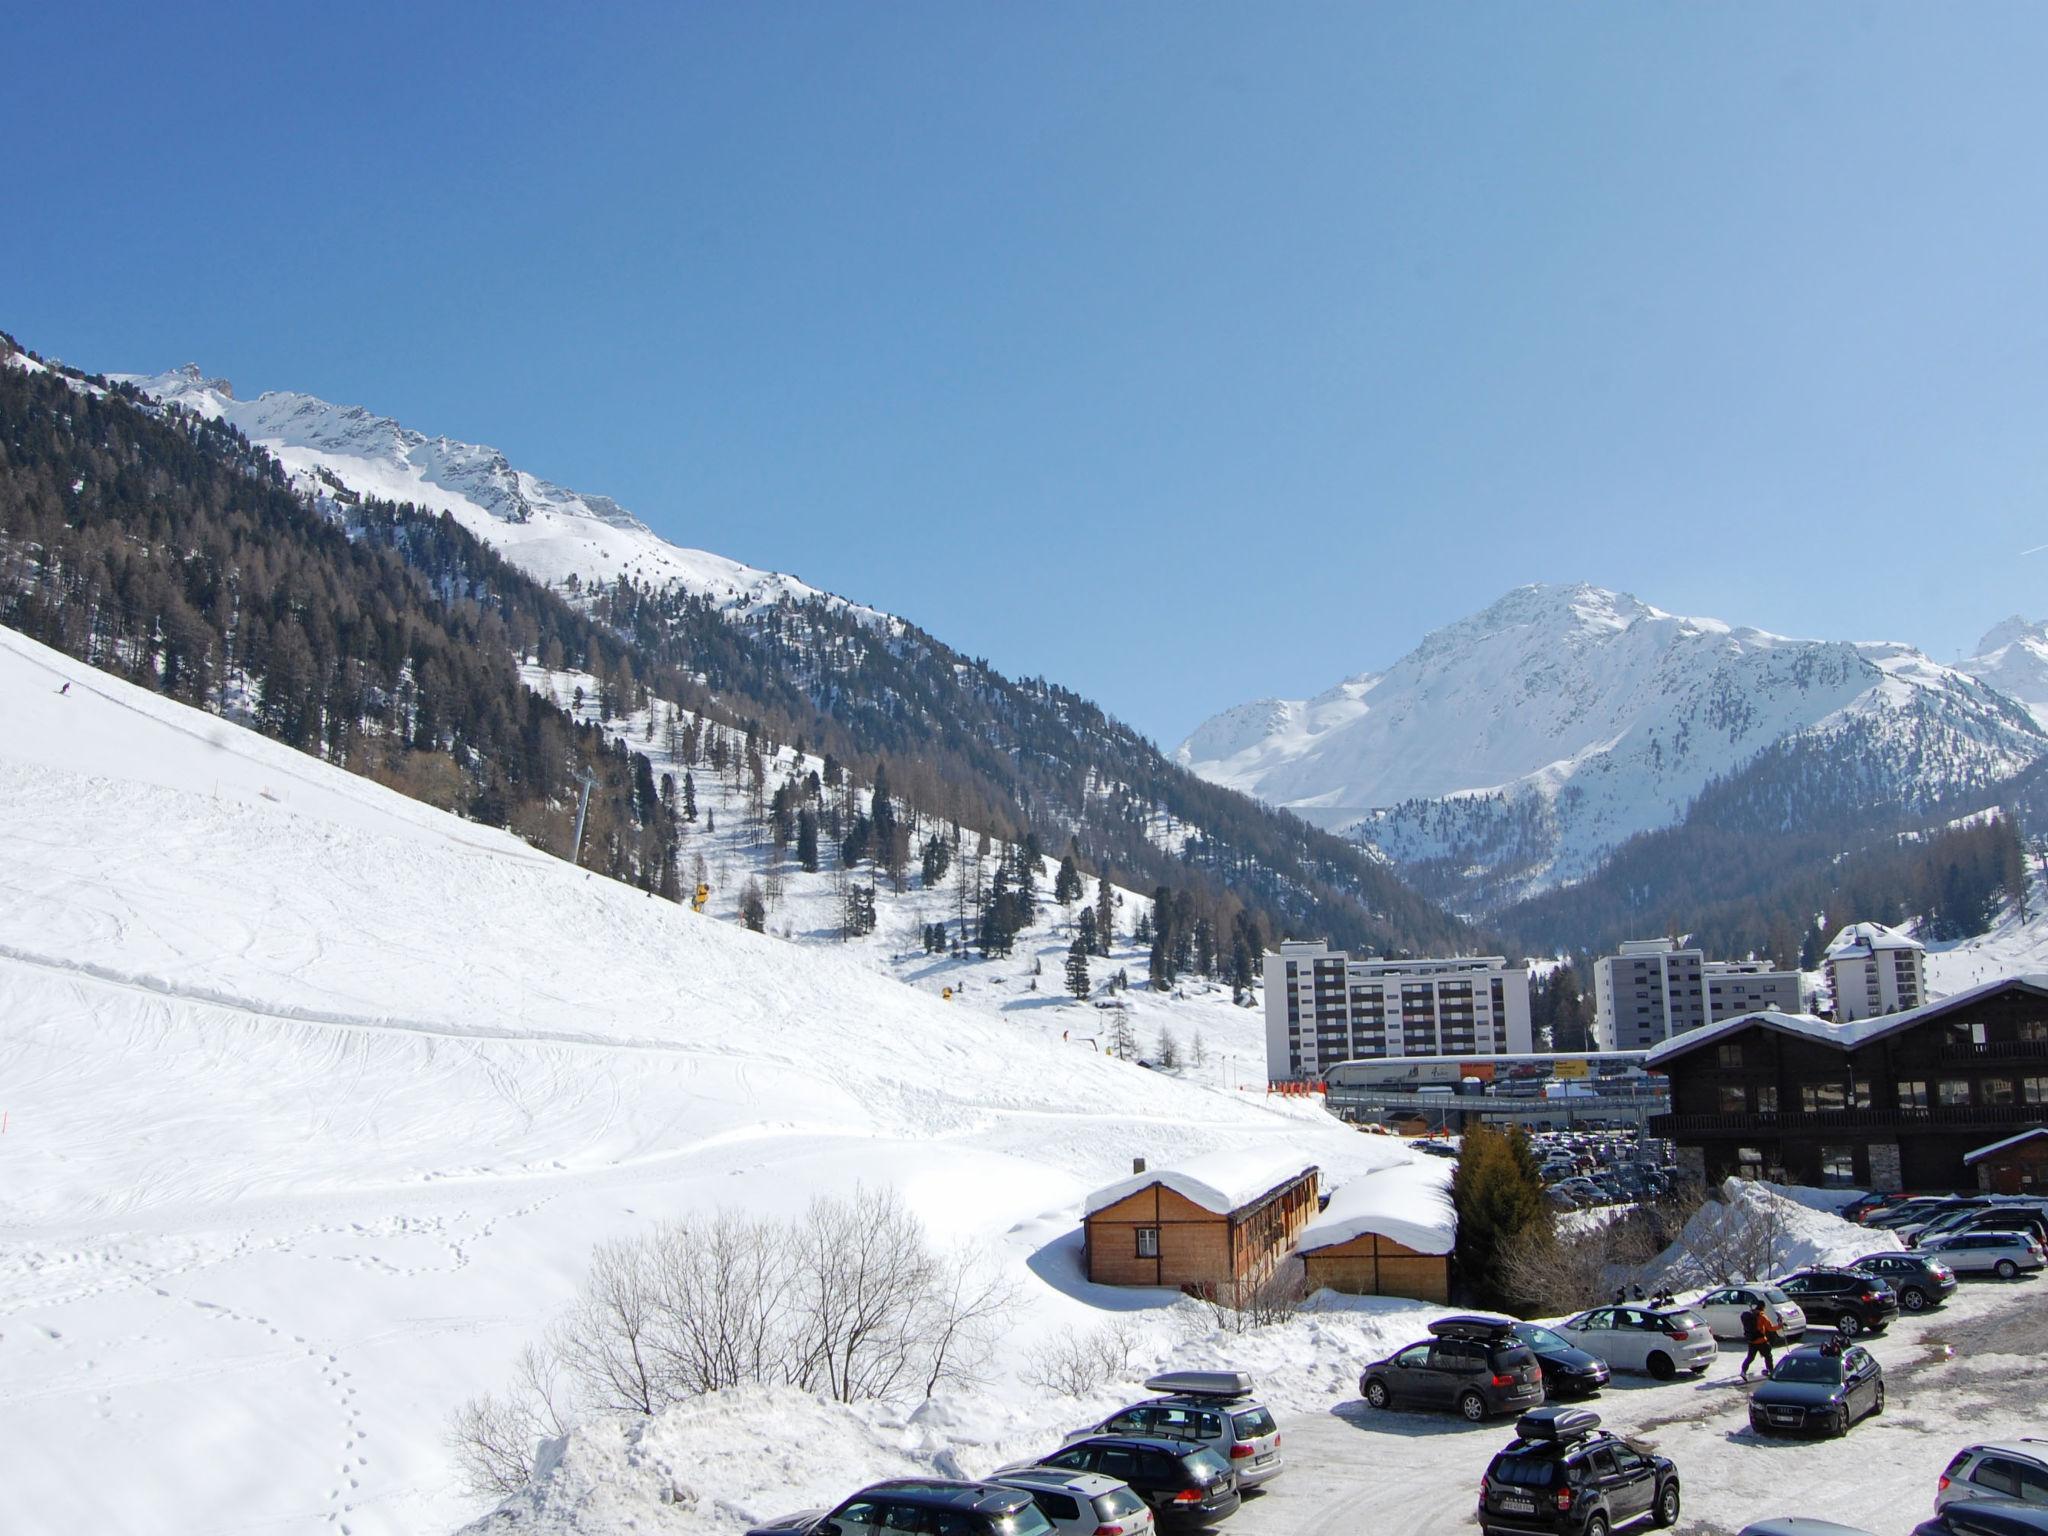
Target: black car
[(1567, 1370), (1818, 1387), (1919, 1280), (1563, 1475), (1474, 1364), (1987, 1517), (1846, 1299), (1186, 1484), (914, 1504)]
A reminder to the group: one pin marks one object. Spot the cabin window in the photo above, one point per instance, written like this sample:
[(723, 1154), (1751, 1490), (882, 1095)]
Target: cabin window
[(1952, 1091), (1837, 1167), (1148, 1242), (1997, 1090), (1734, 1099), (1731, 1053), (1767, 1098), (2033, 1029), (2034, 1090), (1912, 1093)]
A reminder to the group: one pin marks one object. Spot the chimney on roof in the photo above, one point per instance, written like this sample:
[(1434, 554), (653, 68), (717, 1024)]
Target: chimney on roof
[(1137, 1165)]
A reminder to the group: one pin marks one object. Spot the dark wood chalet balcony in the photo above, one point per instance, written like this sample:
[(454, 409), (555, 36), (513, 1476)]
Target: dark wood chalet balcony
[(1994, 1050), (1990, 1118)]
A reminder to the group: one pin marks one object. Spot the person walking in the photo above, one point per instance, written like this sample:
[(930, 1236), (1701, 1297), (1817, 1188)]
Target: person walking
[(1759, 1332)]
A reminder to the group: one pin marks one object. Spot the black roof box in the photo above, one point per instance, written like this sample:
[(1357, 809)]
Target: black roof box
[(1225, 1384), (1472, 1325), (1558, 1424)]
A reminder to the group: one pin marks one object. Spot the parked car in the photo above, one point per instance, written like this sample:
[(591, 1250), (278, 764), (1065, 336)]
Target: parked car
[(1920, 1280), (1996, 1469), (1908, 1212), (1564, 1474), (1799, 1525), (2007, 1218), (1660, 1340), (1083, 1503), (910, 1504), (1185, 1484), (1568, 1371), (1945, 1217), (1212, 1408), (1474, 1364), (1867, 1206), (1723, 1311), (2004, 1254), (1820, 1388), (1987, 1517), (1847, 1300)]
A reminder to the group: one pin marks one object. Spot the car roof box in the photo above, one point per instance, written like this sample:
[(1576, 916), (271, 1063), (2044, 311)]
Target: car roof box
[(1557, 1423), (1201, 1383), (1472, 1325)]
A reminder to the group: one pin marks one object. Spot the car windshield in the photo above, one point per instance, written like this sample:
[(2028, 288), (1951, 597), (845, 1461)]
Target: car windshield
[(1776, 1297), (1818, 1368), (1114, 1505), (1252, 1423), (1539, 1336), (1526, 1469), (1027, 1520)]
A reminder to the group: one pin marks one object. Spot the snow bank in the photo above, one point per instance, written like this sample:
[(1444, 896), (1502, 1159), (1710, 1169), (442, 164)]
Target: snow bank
[(1216, 1181), (1409, 1202), (1762, 1230)]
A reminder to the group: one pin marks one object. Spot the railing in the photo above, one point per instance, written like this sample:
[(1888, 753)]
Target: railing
[(1787, 1121), (1994, 1050)]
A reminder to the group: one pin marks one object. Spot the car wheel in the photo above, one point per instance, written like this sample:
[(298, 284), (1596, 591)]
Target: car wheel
[(2007, 1270), (1913, 1299), (1667, 1504), (1848, 1325), (1661, 1366), (1376, 1393), (1877, 1403), (1473, 1406), (1597, 1526), (1839, 1425)]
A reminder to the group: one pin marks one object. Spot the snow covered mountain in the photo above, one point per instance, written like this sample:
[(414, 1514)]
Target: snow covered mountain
[(1560, 720), (548, 531), (2013, 658)]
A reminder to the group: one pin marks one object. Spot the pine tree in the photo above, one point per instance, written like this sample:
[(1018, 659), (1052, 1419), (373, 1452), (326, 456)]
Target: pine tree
[(1066, 885), (1497, 1192), (1077, 970), (1105, 917), (1085, 930), (807, 841), (753, 908)]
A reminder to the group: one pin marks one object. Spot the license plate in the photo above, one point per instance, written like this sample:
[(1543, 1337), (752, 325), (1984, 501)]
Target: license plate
[(1515, 1504), (1262, 1458), (1784, 1416)]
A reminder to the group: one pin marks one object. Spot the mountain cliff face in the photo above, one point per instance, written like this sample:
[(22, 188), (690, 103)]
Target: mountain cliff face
[(2013, 658), (1510, 751)]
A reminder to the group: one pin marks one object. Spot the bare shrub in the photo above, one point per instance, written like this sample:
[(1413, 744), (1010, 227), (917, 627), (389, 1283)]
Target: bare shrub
[(1242, 1306), (1730, 1241), (493, 1438), (1074, 1364), (849, 1300)]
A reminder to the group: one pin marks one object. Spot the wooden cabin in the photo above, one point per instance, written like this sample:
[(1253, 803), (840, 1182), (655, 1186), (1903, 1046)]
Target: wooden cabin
[(2017, 1165), (1215, 1224), (1388, 1233)]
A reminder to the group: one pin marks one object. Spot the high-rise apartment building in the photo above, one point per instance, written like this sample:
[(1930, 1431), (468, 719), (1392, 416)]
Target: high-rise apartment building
[(1653, 990), (1323, 1007)]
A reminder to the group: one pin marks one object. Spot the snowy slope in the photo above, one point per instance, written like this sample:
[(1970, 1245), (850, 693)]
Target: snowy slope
[(2013, 658), (550, 532), (317, 1099), (1604, 713)]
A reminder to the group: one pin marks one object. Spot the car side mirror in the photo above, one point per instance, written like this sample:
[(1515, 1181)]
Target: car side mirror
[(826, 1528)]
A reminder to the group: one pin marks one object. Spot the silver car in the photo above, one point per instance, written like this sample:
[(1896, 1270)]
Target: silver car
[(1082, 1503), (1998, 1469), (1212, 1408), (2004, 1254)]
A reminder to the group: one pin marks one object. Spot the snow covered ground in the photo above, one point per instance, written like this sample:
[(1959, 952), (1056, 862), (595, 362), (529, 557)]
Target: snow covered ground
[(316, 1100)]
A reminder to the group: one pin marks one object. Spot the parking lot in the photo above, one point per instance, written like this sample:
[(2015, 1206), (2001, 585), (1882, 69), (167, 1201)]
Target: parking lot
[(1969, 1371)]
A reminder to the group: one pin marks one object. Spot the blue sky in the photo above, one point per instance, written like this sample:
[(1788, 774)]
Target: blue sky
[(1179, 353)]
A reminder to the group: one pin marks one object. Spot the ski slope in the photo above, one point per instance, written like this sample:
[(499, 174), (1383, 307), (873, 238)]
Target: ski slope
[(316, 1100)]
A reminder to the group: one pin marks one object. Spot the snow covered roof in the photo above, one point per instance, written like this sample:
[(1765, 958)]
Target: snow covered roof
[(1859, 941), (2000, 1146), (1409, 1202), (1216, 1181), (1842, 1036)]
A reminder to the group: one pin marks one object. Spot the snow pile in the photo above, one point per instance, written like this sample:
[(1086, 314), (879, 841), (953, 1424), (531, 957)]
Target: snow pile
[(1409, 1202), (1755, 1231), (1220, 1181)]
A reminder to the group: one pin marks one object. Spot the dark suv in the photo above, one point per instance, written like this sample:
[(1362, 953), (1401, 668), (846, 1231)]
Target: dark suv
[(1563, 1475), (1474, 1364), (920, 1504), (1848, 1301), (1185, 1484)]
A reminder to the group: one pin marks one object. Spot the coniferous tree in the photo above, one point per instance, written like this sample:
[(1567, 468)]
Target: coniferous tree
[(807, 841), (1077, 970), (1105, 917), (1066, 885)]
